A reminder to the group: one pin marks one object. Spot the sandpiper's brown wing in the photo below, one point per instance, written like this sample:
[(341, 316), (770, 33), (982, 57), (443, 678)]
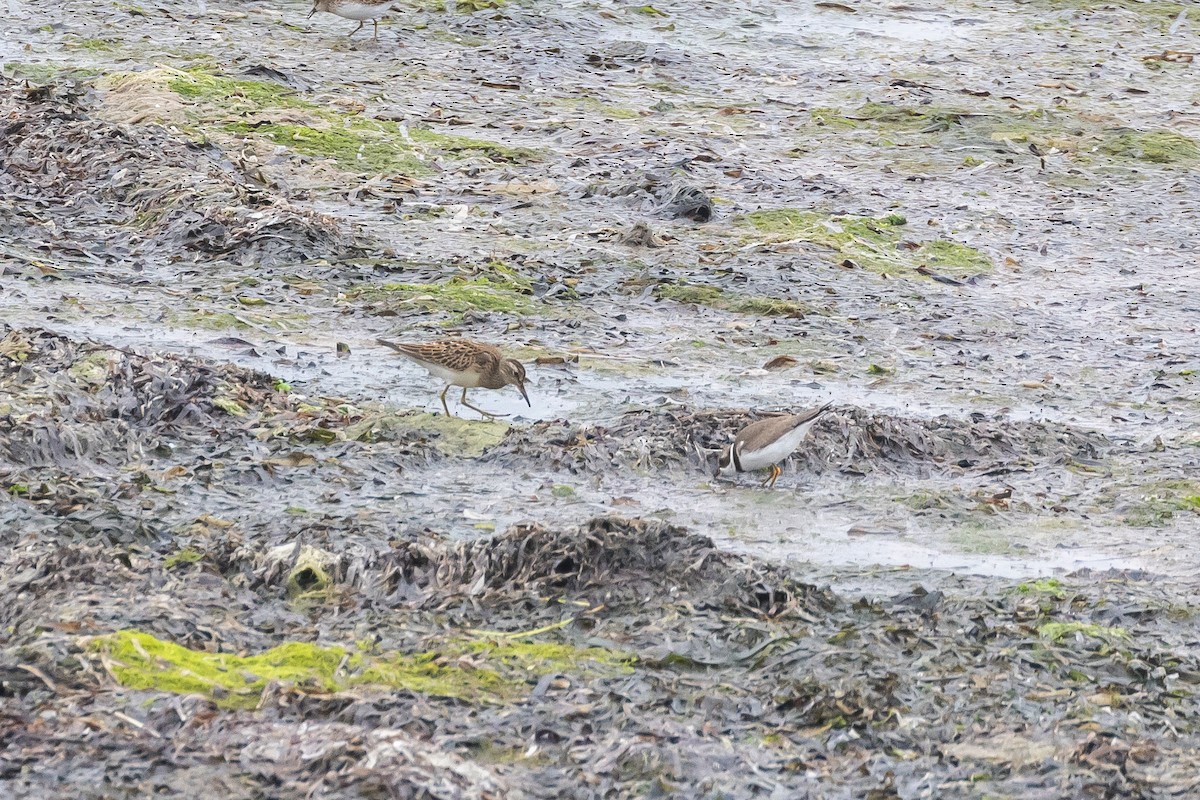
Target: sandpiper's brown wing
[(759, 434), (456, 354)]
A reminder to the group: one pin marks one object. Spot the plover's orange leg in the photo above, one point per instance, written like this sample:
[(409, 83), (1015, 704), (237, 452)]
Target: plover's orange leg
[(775, 473)]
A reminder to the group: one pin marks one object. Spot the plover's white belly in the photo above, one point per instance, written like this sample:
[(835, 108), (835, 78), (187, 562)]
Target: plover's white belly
[(467, 379), (360, 11), (776, 451)]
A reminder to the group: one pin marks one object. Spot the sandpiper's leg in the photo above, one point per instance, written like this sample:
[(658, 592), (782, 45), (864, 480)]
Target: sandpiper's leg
[(487, 414), (445, 407), (359, 28), (376, 29)]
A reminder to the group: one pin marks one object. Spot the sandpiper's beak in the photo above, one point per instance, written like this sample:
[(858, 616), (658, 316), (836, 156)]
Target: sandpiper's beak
[(521, 389), (314, 10)]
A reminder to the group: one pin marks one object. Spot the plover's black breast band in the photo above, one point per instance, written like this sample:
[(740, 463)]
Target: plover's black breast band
[(737, 462)]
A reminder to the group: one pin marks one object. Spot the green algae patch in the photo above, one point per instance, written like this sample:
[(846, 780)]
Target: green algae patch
[(768, 306), (206, 94), (94, 45), (895, 123), (601, 109), (928, 501), (352, 148), (140, 661), (451, 436), (912, 118), (459, 145), (690, 293), (182, 557), (472, 6), (498, 671), (428, 6), (92, 369), (354, 143), (955, 256), (44, 73), (224, 320), (230, 406), (1160, 503), (1058, 631), (617, 112), (232, 94), (1162, 12), (370, 145), (1158, 147), (713, 297), (973, 537), (872, 243), (1051, 587), (1083, 139), (495, 293)]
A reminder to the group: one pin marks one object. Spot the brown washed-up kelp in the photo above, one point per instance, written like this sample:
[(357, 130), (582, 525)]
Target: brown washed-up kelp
[(68, 399), (625, 657), (611, 558), (852, 440), (87, 430), (121, 194), (81, 402)]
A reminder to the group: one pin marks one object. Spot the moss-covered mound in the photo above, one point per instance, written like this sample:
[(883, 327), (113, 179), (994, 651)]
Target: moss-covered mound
[(498, 669)]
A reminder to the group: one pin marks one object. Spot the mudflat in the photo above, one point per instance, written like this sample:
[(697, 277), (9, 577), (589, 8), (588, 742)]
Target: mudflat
[(245, 552)]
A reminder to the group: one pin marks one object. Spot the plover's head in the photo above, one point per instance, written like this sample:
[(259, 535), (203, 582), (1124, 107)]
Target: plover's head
[(725, 466)]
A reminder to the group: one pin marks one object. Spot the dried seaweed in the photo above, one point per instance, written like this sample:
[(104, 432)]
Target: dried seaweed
[(617, 559), (748, 681), (140, 194), (855, 441), (91, 403)]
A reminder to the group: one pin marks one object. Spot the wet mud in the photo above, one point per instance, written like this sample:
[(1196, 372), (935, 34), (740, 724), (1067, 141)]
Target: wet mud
[(246, 554)]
